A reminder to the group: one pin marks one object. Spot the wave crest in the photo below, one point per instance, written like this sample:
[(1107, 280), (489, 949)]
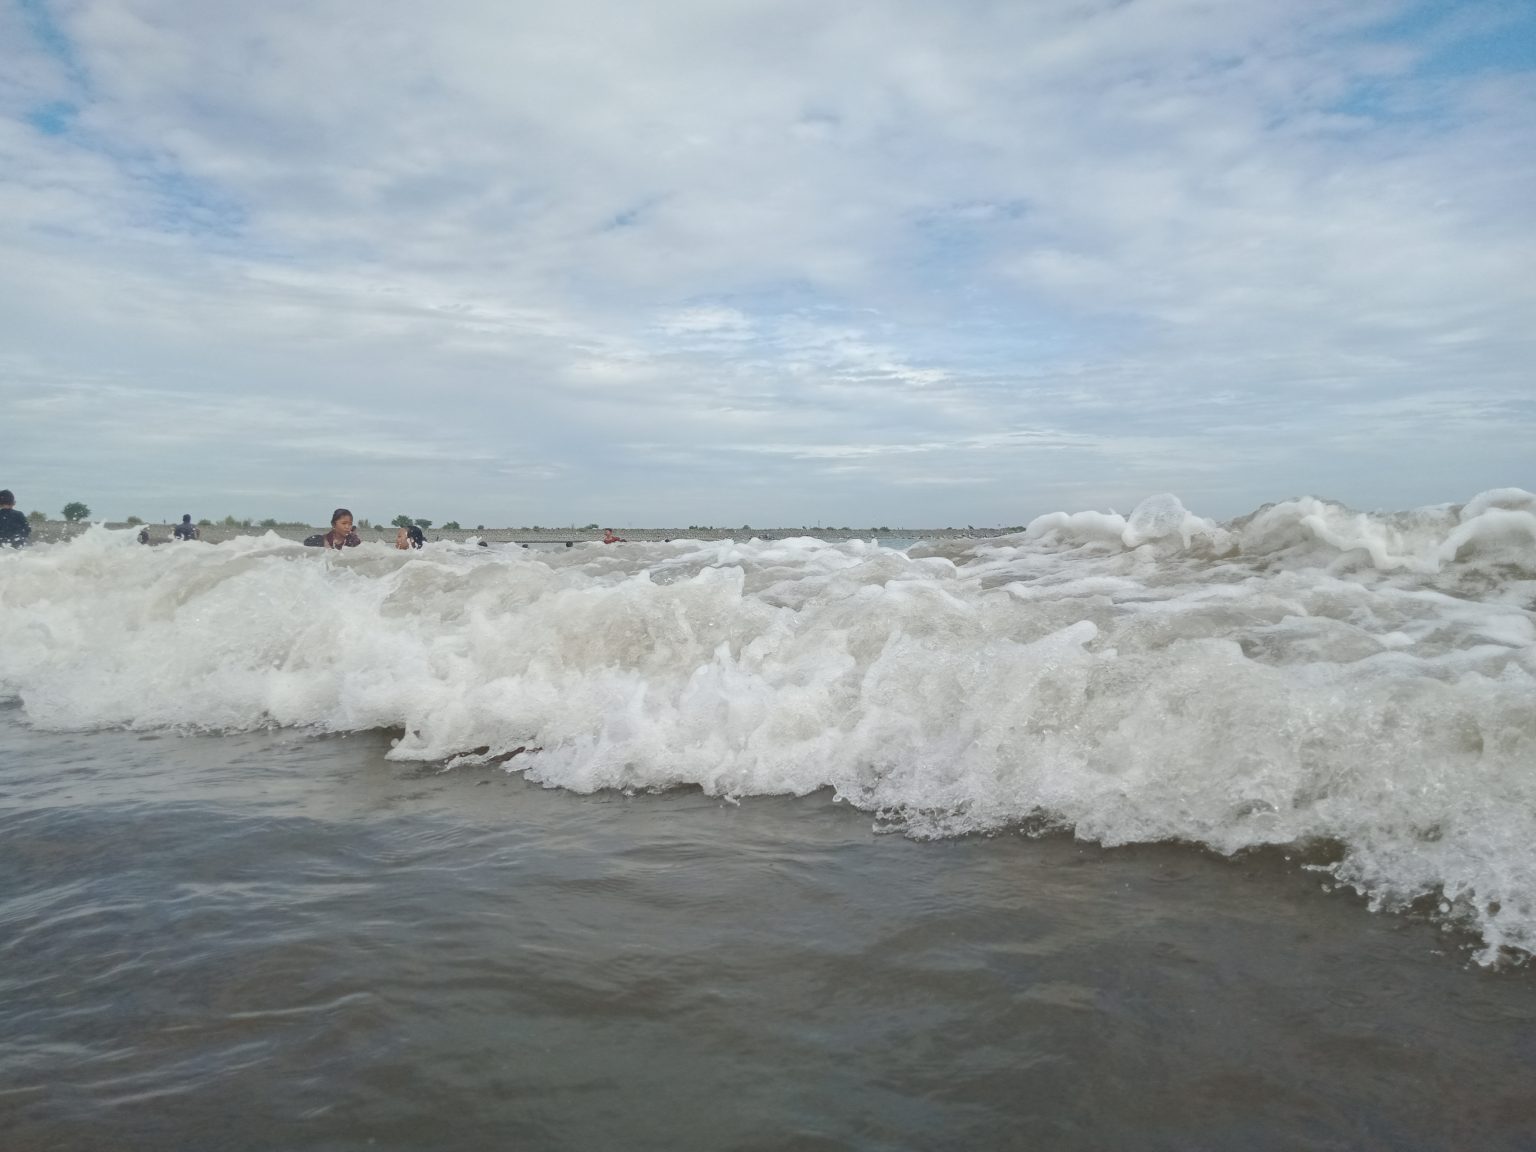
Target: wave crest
[(1305, 673)]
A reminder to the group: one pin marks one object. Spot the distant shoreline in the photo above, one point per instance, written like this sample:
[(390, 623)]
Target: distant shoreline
[(55, 530)]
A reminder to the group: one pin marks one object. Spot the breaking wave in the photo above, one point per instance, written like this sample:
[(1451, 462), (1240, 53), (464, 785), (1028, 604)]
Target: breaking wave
[(1304, 675)]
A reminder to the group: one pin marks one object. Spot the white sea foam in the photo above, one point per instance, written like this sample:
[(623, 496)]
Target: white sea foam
[(1303, 675)]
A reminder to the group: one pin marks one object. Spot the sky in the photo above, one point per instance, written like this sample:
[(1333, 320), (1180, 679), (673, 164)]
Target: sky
[(772, 263)]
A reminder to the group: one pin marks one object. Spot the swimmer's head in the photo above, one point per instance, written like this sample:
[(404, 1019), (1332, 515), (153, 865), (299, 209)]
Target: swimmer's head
[(339, 515), (186, 518), (7, 498)]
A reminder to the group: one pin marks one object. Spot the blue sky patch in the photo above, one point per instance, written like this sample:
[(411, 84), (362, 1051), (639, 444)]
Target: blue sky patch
[(49, 36), (53, 119)]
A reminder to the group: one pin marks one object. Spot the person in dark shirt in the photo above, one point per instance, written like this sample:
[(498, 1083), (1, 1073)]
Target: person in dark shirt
[(186, 530), (14, 528), (340, 536)]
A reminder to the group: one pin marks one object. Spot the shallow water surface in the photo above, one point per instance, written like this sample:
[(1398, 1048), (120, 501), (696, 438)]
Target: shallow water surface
[(272, 940)]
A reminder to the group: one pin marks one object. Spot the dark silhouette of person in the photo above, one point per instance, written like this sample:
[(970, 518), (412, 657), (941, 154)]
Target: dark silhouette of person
[(14, 528), (186, 530)]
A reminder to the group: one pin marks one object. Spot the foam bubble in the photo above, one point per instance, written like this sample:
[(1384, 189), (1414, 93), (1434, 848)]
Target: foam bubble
[(1305, 674)]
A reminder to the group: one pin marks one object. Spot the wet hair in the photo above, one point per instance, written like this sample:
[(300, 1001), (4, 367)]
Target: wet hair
[(7, 496), (338, 514), (186, 518), (415, 536)]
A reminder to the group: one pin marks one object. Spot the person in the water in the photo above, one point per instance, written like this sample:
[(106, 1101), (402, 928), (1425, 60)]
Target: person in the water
[(410, 536), (340, 536), (14, 528), (186, 530), (610, 538)]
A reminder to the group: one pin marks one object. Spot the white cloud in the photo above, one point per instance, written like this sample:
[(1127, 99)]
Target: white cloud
[(1204, 244), (706, 321)]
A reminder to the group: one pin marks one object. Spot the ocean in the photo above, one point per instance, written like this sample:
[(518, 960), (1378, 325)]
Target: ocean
[(1134, 832)]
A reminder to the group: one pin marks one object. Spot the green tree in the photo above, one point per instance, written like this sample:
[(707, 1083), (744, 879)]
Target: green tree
[(205, 523), (133, 521), (402, 521), (75, 511), (37, 516), (269, 522), (423, 523), (452, 526)]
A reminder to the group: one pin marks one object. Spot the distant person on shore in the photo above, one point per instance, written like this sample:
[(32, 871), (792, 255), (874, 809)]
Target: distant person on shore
[(340, 536), (186, 530), (410, 536), (144, 534), (14, 528), (610, 538)]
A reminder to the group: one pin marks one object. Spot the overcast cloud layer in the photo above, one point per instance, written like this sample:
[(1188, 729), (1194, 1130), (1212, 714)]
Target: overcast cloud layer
[(776, 263)]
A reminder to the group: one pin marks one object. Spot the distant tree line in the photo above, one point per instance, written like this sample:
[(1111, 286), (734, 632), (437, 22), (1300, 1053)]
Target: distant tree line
[(76, 511)]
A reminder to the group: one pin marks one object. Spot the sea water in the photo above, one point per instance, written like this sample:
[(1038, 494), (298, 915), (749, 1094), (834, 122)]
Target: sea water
[(271, 874)]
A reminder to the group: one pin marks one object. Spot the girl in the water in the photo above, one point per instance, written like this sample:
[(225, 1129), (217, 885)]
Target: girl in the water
[(340, 536)]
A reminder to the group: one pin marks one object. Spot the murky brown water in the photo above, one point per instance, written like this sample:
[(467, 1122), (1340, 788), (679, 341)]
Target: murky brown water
[(275, 941)]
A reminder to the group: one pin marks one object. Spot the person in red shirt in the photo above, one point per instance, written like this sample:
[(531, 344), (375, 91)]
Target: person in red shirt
[(340, 536), (610, 538)]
